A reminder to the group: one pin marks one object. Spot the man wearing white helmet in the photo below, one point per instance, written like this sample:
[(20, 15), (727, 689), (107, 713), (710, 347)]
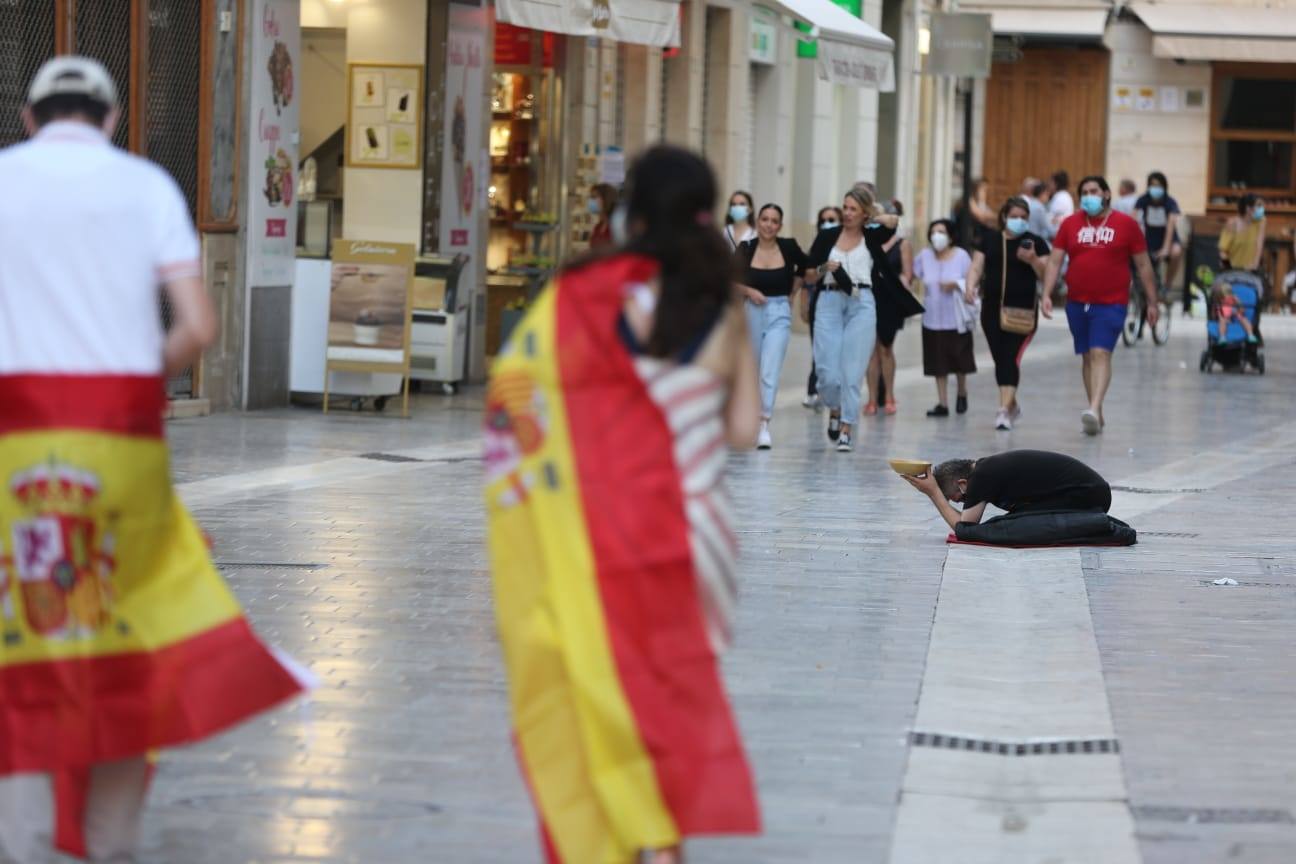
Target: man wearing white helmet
[(117, 636)]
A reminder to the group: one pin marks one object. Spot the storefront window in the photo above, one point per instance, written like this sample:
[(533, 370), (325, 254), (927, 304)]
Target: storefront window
[(1253, 133)]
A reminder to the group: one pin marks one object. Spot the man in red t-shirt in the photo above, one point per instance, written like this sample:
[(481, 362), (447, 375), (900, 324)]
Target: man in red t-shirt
[(1101, 243)]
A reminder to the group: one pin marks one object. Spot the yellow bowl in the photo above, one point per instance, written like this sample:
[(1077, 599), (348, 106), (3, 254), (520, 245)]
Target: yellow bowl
[(910, 467)]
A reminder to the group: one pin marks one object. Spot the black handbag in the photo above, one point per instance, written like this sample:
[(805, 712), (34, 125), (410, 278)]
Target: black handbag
[(842, 280)]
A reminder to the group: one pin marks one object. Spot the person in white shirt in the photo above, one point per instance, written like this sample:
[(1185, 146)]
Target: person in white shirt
[(1128, 197), (740, 220), (123, 639), (1061, 204), (1031, 190)]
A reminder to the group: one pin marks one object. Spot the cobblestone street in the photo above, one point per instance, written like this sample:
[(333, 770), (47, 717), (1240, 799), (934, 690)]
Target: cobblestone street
[(356, 544)]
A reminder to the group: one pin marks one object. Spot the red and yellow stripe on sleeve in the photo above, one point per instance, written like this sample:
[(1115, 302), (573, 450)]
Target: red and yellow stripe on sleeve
[(621, 722)]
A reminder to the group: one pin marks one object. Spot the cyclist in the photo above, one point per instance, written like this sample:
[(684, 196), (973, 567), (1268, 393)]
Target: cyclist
[(1158, 215)]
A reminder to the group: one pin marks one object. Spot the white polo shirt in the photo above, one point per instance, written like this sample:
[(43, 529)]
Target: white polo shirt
[(88, 234)]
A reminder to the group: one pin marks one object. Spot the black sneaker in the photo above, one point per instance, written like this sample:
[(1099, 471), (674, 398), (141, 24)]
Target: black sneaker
[(938, 411), (834, 426), (844, 443), (961, 405)]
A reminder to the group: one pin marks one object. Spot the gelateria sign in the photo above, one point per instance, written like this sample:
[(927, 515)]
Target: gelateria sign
[(642, 22)]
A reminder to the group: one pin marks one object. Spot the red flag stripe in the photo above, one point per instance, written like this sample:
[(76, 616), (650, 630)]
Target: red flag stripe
[(64, 713), (634, 508), (116, 404)]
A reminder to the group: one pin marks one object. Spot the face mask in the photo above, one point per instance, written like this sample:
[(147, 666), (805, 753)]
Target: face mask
[(1017, 225), (1156, 193), (617, 225), (595, 206), (1091, 204), (739, 212), (1258, 213), (824, 226), (940, 241)]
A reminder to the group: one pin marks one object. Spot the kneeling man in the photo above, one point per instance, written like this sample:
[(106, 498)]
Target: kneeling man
[(1018, 481)]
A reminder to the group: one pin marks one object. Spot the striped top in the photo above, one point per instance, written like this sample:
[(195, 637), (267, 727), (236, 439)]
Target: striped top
[(692, 399)]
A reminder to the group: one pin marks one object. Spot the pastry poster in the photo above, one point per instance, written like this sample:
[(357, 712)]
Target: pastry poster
[(461, 186), (272, 210), (385, 105), (369, 301)]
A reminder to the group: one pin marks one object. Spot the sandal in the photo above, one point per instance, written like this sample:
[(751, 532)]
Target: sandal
[(870, 409), (890, 406)]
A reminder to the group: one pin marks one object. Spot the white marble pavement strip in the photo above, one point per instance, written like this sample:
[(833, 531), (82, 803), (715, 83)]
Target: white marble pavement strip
[(329, 472), (1013, 657)]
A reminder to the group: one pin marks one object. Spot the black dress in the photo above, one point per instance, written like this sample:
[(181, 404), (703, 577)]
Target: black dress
[(1019, 291)]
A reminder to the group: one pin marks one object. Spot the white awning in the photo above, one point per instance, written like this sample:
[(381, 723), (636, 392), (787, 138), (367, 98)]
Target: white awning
[(1075, 24), (642, 22), (850, 51), (1200, 32)]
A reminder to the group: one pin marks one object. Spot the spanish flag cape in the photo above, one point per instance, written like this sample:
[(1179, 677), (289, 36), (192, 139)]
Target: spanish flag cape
[(621, 723), (117, 635)]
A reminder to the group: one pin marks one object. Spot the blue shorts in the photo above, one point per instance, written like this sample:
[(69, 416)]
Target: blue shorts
[(1095, 325)]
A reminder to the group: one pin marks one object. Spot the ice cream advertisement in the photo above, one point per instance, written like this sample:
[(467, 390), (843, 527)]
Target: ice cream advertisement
[(461, 187), (272, 182)]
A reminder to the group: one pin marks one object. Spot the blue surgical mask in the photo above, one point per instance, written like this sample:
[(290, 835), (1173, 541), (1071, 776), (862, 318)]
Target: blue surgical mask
[(1017, 226), (824, 226), (595, 206), (1091, 204), (1156, 193), (1258, 213), (739, 212)]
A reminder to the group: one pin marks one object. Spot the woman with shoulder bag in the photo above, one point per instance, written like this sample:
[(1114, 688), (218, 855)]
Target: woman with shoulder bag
[(849, 264), (1007, 269)]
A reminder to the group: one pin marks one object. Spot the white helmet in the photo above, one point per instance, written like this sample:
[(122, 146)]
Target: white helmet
[(71, 75)]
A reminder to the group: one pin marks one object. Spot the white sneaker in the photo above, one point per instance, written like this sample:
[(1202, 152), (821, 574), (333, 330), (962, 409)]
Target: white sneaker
[(1090, 422), (812, 402), (844, 442), (1015, 414), (1002, 421), (763, 439)]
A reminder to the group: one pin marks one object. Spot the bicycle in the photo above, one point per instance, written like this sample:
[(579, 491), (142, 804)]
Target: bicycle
[(1136, 312)]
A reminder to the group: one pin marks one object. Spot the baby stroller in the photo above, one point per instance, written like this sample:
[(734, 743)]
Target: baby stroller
[(1230, 349)]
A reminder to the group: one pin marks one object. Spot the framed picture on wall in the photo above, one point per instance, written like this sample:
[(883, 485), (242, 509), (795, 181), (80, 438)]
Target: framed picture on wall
[(384, 116)]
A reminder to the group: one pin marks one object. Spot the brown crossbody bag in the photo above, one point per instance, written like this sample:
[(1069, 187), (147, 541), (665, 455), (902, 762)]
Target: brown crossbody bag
[(1012, 319)]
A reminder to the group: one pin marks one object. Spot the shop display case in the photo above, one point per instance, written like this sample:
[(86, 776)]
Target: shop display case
[(439, 334)]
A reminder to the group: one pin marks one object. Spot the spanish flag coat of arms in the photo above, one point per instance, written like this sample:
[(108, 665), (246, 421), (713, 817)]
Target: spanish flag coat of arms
[(620, 719)]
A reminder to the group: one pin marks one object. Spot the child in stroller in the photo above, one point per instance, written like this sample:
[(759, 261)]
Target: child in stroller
[(1233, 337)]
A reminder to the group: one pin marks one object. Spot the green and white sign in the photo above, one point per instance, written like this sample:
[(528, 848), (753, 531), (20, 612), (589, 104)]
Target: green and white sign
[(807, 47), (764, 36)]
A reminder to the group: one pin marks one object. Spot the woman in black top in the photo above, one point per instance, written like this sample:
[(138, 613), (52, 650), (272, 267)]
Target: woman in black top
[(882, 366), (770, 269), (1026, 255)]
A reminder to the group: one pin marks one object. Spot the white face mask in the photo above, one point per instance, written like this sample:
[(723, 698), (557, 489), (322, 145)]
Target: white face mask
[(617, 225), (940, 241)]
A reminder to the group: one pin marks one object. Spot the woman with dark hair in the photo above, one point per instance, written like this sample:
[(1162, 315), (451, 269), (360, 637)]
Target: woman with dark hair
[(1007, 269), (602, 201), (828, 217), (738, 219), (1242, 241), (770, 273), (882, 365), (612, 545), (947, 330), (851, 267)]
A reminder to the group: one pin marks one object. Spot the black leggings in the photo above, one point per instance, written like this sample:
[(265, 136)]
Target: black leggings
[(1006, 349)]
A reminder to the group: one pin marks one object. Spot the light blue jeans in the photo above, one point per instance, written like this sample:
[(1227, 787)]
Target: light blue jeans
[(845, 332), (771, 327)]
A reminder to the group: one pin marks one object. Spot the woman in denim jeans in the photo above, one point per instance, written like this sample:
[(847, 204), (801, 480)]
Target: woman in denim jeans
[(850, 262), (770, 268)]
